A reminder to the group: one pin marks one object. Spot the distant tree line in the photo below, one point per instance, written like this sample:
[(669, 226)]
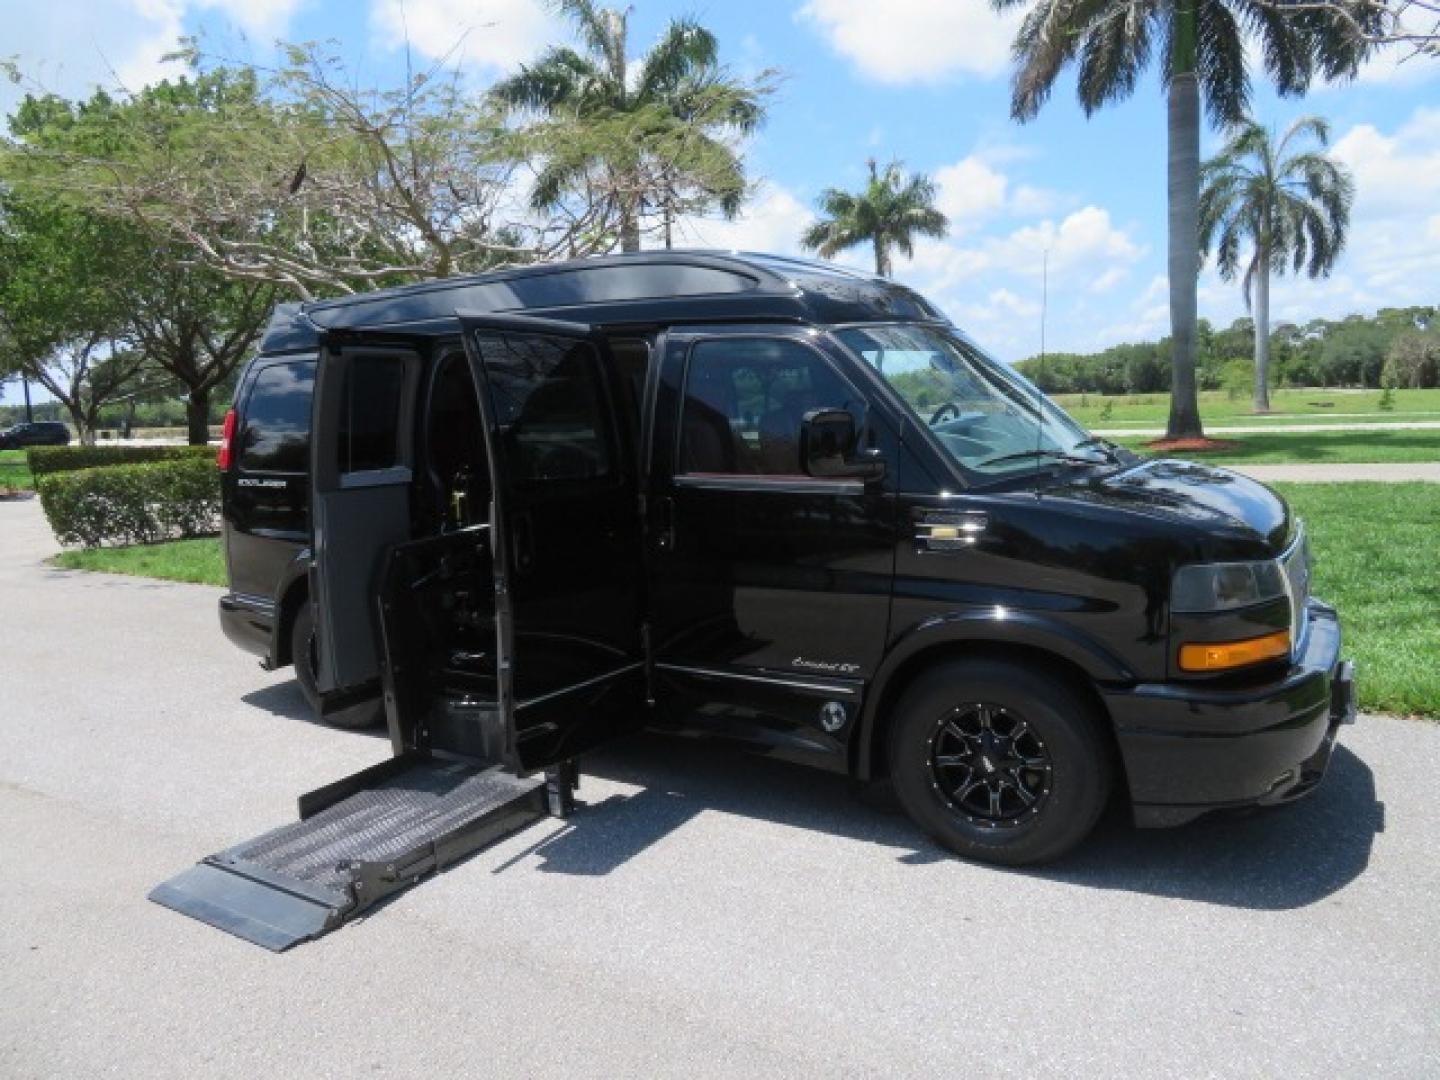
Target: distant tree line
[(1396, 347)]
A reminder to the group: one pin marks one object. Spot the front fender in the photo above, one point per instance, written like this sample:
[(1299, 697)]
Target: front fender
[(942, 633)]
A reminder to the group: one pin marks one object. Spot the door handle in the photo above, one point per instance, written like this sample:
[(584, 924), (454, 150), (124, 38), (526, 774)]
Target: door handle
[(665, 526), (949, 530)]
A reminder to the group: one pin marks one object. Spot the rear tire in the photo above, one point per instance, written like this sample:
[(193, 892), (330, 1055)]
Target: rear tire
[(1000, 762), (304, 656)]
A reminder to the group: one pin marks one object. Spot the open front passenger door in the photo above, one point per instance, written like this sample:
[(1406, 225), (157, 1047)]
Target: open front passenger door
[(565, 530)]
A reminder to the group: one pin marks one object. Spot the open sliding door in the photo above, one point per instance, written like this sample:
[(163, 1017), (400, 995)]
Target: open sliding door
[(361, 461), (565, 529)]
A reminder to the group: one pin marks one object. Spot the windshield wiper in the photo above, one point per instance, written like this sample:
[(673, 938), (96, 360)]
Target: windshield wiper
[(1105, 446), (1058, 455)]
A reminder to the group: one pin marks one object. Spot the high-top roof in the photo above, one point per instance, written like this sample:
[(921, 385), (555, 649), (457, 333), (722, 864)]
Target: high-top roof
[(650, 287)]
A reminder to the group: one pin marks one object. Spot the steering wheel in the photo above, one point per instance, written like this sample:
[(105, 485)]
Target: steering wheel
[(948, 411)]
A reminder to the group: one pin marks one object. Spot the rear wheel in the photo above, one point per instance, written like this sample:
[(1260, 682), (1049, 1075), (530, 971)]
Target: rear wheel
[(306, 658), (999, 761)]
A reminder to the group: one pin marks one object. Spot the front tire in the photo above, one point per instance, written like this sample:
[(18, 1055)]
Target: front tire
[(1001, 762), (305, 656)]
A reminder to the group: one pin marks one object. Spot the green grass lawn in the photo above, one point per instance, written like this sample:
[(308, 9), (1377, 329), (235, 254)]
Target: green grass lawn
[(1217, 407), (1314, 446), (1377, 559), (199, 561), (14, 472)]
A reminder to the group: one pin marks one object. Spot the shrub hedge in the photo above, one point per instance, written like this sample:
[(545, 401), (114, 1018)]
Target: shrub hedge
[(45, 460), (132, 504)]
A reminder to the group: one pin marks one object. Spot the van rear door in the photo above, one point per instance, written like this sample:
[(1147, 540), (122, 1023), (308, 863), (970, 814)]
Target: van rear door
[(361, 463), (566, 535)]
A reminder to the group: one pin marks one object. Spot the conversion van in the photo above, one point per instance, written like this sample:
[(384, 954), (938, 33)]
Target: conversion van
[(523, 513)]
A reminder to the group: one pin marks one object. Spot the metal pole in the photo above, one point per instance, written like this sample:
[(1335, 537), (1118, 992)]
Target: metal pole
[(25, 382)]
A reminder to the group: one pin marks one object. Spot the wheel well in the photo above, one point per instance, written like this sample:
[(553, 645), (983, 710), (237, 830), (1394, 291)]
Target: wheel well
[(296, 595), (1054, 665)]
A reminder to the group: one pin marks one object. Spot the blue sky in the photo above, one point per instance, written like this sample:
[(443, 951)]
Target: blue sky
[(924, 81)]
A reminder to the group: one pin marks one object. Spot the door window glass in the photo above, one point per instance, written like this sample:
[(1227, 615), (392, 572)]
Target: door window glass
[(745, 399), (277, 420), (370, 413), (549, 406)]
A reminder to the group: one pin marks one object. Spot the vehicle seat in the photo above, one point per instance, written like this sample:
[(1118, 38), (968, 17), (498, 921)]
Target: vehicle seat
[(780, 434)]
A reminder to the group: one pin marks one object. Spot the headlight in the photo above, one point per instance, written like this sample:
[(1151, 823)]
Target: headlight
[(1223, 586)]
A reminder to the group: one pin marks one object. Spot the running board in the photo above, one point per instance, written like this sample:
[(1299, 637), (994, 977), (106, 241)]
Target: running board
[(358, 841)]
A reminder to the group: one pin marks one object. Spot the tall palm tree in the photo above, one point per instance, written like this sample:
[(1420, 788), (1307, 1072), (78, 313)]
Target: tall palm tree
[(1201, 47), (891, 211), (678, 96), (1292, 207)]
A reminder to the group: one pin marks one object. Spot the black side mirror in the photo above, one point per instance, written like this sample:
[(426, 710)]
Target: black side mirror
[(828, 451)]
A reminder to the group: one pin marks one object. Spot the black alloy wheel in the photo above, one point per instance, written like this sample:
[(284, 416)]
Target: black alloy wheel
[(990, 765), (1001, 761)]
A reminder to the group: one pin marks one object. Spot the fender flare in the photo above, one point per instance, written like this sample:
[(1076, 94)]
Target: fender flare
[(978, 628), (296, 569)]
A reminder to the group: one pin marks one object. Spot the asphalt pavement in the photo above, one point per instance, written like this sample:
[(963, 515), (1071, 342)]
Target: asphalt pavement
[(704, 914)]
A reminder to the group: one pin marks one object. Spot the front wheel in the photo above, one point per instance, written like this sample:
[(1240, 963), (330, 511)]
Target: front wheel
[(999, 761), (305, 655)]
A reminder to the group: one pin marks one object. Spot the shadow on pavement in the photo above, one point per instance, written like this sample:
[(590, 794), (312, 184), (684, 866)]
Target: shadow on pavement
[(284, 699), (1276, 859)]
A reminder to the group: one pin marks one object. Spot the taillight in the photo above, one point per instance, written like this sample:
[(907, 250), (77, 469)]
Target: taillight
[(226, 434)]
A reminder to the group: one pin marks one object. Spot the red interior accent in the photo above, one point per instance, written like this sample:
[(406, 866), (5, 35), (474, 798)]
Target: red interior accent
[(226, 433)]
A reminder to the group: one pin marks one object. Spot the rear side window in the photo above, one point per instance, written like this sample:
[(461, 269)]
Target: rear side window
[(549, 406), (370, 414), (277, 420)]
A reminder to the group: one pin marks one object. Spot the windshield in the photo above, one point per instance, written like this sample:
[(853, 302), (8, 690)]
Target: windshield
[(989, 417)]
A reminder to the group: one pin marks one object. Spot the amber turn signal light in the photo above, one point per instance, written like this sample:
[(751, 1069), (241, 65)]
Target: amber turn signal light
[(1223, 655)]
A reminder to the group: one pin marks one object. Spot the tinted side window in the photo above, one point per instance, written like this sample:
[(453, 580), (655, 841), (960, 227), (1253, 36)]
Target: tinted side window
[(549, 405), (277, 420), (745, 399), (370, 414)]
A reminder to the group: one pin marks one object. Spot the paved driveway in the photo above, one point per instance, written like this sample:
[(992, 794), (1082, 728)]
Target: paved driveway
[(704, 915)]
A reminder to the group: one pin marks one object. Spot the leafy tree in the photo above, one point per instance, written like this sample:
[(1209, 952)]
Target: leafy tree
[(1413, 360), (1291, 206), (1201, 47), (630, 141), (298, 177), (888, 214), (62, 324)]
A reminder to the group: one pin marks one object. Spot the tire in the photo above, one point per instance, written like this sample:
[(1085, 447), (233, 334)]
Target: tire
[(1027, 792), (360, 717)]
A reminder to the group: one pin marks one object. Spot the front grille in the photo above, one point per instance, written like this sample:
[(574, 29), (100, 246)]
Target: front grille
[(1296, 562)]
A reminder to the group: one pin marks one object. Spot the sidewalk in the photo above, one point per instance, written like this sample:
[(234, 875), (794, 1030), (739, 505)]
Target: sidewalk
[(1388, 473)]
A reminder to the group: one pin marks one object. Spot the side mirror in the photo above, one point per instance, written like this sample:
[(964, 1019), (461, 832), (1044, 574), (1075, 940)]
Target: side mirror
[(828, 451)]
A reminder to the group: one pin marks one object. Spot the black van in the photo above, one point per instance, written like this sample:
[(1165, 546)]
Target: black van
[(35, 433), (780, 502)]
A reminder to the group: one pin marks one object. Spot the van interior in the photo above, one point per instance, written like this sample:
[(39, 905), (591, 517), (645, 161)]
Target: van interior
[(438, 590)]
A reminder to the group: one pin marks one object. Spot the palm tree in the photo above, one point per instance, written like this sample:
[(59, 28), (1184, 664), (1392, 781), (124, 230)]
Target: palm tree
[(676, 107), (1203, 45), (1292, 207), (891, 211)]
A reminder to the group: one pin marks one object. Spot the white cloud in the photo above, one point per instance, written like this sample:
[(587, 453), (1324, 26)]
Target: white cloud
[(496, 34), (72, 48), (903, 41), (264, 19), (973, 190), (772, 221)]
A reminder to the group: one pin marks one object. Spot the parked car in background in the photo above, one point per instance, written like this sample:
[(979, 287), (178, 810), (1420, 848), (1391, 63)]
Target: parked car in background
[(38, 433)]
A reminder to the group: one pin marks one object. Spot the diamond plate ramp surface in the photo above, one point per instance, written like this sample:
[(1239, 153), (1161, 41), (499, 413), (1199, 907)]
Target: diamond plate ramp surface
[(378, 832)]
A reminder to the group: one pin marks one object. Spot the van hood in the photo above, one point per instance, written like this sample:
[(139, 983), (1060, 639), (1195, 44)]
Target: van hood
[(1224, 505)]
